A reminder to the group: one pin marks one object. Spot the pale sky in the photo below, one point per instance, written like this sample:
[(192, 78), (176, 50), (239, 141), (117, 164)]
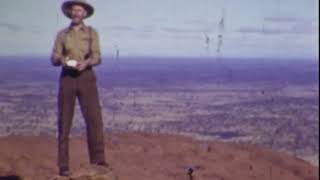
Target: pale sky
[(253, 28)]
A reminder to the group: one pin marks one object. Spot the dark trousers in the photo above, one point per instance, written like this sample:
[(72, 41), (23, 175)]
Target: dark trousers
[(72, 85)]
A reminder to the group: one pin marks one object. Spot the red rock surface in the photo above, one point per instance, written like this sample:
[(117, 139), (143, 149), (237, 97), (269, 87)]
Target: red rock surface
[(140, 156)]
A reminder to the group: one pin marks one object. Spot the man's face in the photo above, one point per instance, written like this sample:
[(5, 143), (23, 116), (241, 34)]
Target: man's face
[(78, 13)]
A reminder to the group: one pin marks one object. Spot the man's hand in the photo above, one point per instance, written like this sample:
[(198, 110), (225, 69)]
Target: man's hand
[(83, 65)]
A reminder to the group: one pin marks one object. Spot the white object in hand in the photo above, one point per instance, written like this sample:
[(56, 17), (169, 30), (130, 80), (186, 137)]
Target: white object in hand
[(72, 63)]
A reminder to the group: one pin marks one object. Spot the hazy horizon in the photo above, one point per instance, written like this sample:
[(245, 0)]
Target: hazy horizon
[(177, 57)]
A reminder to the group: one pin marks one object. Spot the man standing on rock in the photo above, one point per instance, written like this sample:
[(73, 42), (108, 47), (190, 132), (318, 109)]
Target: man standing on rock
[(77, 50)]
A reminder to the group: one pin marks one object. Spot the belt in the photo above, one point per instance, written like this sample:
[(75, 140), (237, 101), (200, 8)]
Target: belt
[(66, 71)]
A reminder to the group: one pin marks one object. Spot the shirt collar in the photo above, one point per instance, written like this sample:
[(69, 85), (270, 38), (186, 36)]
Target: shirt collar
[(83, 28)]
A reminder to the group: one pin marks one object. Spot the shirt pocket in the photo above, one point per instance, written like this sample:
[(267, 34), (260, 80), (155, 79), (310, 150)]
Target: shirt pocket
[(85, 43), (68, 44)]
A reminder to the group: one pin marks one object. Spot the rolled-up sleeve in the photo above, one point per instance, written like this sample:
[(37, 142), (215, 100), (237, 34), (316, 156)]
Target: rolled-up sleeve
[(95, 49), (57, 57)]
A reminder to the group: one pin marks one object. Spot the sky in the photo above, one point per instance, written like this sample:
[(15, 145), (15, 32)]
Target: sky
[(252, 28)]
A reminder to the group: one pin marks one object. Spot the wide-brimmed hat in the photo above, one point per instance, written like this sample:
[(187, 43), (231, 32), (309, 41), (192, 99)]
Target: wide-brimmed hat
[(66, 7)]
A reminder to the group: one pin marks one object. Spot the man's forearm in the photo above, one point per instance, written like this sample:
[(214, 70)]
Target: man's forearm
[(94, 61), (57, 60)]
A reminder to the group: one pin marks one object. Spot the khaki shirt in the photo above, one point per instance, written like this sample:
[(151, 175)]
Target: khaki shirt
[(72, 44)]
